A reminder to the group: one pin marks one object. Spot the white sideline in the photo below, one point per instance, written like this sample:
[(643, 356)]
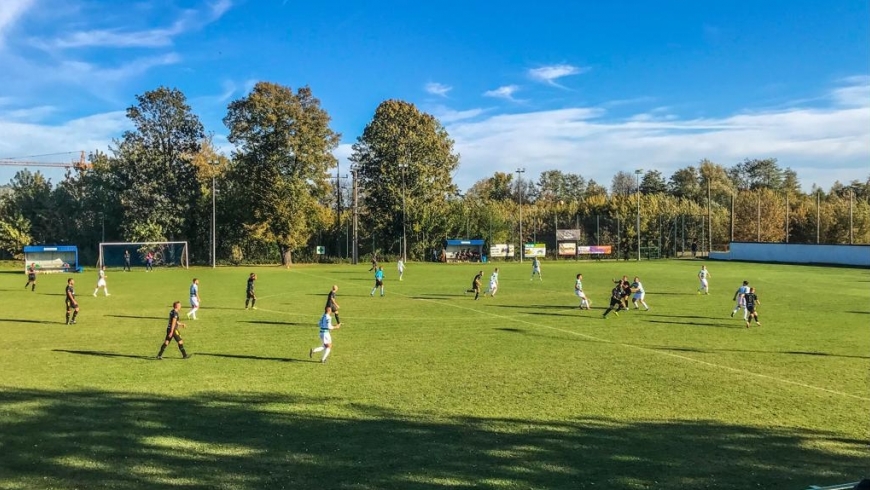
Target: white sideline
[(637, 347)]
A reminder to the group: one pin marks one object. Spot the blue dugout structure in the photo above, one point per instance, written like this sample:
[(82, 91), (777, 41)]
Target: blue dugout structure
[(52, 258)]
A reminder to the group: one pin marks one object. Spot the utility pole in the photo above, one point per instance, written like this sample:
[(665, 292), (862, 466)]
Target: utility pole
[(354, 170), (520, 172)]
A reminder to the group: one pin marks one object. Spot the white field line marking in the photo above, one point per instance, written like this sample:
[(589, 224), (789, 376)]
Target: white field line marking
[(640, 348)]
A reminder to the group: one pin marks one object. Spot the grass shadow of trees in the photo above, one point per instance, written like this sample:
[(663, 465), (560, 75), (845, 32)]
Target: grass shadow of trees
[(95, 439)]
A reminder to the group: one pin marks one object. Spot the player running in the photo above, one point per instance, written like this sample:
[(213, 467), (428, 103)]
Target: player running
[(249, 295), (578, 291), (704, 276), (475, 285), (401, 266), (740, 298), (639, 293), (493, 284), (751, 302), (172, 332), (332, 304), (101, 282), (325, 336), (615, 300)]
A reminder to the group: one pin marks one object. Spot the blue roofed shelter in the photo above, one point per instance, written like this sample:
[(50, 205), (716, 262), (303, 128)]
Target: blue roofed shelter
[(52, 258), (464, 251)]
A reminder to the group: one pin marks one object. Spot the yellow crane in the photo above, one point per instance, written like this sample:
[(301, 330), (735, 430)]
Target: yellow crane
[(81, 163)]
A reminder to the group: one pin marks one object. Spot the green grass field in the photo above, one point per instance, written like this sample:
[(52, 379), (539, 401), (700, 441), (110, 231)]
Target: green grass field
[(428, 389)]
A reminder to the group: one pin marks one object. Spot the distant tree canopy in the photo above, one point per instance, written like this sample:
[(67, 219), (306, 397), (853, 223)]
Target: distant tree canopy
[(274, 196)]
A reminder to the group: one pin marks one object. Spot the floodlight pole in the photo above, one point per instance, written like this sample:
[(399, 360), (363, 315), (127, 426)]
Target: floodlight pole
[(520, 172), (637, 174), (213, 216), (403, 166)]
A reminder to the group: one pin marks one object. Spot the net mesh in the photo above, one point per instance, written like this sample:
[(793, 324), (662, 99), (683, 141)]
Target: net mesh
[(165, 254)]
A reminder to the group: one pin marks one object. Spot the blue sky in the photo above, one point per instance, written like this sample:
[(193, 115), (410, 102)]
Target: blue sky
[(584, 87)]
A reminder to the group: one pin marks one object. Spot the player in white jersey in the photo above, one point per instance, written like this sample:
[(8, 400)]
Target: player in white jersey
[(401, 266), (704, 276), (325, 337), (536, 269), (578, 291), (739, 297), (194, 299), (101, 282), (493, 284), (639, 293)]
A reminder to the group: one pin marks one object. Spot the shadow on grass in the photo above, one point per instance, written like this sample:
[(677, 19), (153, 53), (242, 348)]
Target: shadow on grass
[(254, 358), (698, 324), (859, 312), (95, 439), (438, 296), (140, 317), (21, 320), (753, 351), (100, 354), (267, 322)]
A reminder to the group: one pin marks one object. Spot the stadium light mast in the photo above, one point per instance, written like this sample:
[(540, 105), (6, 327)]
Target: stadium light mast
[(520, 172), (354, 170), (214, 164), (403, 166), (637, 174)]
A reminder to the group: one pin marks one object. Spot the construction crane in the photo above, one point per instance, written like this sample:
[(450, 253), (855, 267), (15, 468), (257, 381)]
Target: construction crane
[(80, 164)]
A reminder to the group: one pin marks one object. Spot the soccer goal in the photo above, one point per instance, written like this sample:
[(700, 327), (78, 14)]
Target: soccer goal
[(164, 254)]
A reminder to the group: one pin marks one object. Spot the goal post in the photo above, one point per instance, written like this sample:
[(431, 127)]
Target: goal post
[(165, 254)]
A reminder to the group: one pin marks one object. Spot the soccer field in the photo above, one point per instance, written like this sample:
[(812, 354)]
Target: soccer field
[(428, 389)]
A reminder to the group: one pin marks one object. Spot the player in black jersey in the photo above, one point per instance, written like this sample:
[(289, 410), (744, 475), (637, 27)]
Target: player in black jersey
[(752, 301), (31, 277), (615, 300), (475, 285), (172, 332), (332, 304), (72, 306), (251, 297)]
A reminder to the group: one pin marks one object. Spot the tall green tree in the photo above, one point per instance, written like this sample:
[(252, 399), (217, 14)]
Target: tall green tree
[(279, 170), (157, 184), (653, 182), (14, 234), (403, 154)]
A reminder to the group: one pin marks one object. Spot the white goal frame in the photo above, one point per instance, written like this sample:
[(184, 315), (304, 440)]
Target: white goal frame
[(138, 245)]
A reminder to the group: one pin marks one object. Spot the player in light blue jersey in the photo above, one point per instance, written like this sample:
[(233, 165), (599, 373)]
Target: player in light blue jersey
[(194, 299), (379, 281), (536, 269), (740, 298), (493, 284), (639, 293), (578, 291), (325, 337), (704, 277)]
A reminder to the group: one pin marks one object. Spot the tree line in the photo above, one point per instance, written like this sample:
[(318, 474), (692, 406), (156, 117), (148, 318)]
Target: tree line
[(280, 192)]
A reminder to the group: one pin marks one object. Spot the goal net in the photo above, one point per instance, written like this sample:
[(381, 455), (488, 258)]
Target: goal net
[(164, 254)]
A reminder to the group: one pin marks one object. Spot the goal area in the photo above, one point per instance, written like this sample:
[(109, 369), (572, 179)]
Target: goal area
[(164, 254)]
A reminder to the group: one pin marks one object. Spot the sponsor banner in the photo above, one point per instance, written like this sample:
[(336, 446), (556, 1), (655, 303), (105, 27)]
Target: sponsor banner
[(501, 250), (569, 235), (593, 249), (568, 248), (534, 250)]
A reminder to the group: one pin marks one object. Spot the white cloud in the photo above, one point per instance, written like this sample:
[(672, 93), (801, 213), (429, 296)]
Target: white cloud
[(10, 11), (439, 89), (505, 92), (549, 74), (89, 133), (190, 19), (821, 145), (446, 115)]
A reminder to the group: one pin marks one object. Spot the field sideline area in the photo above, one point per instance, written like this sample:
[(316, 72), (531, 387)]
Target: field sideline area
[(428, 389)]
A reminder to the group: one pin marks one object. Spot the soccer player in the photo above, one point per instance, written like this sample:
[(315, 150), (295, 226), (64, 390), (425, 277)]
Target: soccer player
[(126, 261), (250, 296), (101, 282), (493, 284), (536, 269), (401, 266), (71, 304), (149, 262), (31, 277), (379, 281), (704, 276), (374, 263), (639, 293), (325, 337), (172, 332), (578, 291), (475, 285), (751, 301), (194, 299), (332, 304), (615, 300), (739, 297)]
